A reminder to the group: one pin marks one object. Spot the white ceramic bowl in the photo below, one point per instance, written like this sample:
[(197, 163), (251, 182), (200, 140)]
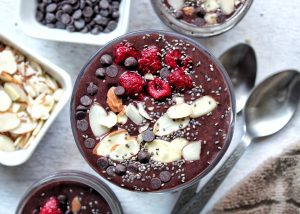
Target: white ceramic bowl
[(20, 156), (32, 27)]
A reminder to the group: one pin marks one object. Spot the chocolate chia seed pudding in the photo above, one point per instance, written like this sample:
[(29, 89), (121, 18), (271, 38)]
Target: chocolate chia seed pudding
[(61, 194), (152, 111)]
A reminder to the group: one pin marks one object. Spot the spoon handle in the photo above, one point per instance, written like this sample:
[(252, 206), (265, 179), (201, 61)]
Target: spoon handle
[(200, 199)]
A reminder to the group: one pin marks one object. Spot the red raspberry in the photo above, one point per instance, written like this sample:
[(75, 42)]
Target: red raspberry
[(51, 207), (175, 59), (150, 61), (125, 50), (131, 82), (179, 79), (159, 89)]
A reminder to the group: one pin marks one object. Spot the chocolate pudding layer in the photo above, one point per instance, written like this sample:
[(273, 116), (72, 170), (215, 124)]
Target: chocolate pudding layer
[(152, 111)]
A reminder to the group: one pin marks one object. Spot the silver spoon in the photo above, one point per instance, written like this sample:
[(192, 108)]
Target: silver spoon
[(241, 66), (271, 105)]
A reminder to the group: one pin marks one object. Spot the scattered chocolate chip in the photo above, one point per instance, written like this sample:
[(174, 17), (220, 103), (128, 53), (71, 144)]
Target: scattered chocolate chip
[(221, 18), (164, 72), (68, 212), (88, 12), (178, 14), (62, 199), (36, 211), (143, 157), (81, 108), (110, 171), (80, 115), (106, 60), (120, 169), (92, 89), (65, 18), (112, 71), (82, 125), (86, 100), (89, 143), (130, 62), (155, 183), (199, 22), (119, 91), (133, 167), (51, 7), (102, 162), (165, 176), (148, 135), (200, 11), (100, 73)]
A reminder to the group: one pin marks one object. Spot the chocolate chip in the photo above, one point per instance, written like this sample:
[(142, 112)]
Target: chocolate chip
[(200, 11), (199, 22), (50, 17), (95, 31), (106, 60), (58, 14), (104, 13), (103, 4), (88, 12), (119, 91), (221, 18), (164, 72), (120, 169), (81, 108), (65, 18), (110, 171), (112, 25), (115, 14), (68, 212), (133, 167), (112, 71), (51, 7), (85, 100), (92, 89), (178, 14), (60, 25), (102, 162), (36, 211), (39, 16), (130, 62), (82, 125), (79, 24), (100, 73), (70, 28), (155, 183), (143, 157), (62, 199), (100, 20), (165, 176), (148, 136), (77, 14), (67, 8), (50, 25), (89, 143), (80, 115)]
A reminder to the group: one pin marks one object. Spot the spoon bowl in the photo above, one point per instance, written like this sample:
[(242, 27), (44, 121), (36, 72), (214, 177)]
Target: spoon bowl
[(241, 66)]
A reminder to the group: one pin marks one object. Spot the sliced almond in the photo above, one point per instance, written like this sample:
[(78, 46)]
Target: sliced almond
[(57, 94), (162, 151), (178, 100), (22, 140), (15, 92), (165, 125), (75, 205), (143, 128), (30, 90), (16, 107), (95, 114), (36, 67), (139, 138), (8, 62), (6, 77), (51, 82), (179, 143), (203, 106), (9, 121), (6, 144), (122, 117), (149, 76), (113, 101), (179, 111), (108, 121), (38, 128), (5, 101), (211, 5), (24, 127), (42, 106), (176, 4), (142, 111), (133, 114), (125, 151), (211, 18), (191, 152), (227, 6)]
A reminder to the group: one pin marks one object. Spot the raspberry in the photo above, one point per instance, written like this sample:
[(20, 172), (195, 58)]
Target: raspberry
[(125, 50), (175, 59), (159, 89), (131, 82), (180, 80), (150, 61), (51, 207)]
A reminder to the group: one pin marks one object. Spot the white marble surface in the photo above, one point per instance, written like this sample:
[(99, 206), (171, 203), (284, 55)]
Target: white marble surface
[(272, 26)]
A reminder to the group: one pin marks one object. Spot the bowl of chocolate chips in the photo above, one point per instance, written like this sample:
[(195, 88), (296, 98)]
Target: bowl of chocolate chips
[(153, 111), (93, 22), (201, 18)]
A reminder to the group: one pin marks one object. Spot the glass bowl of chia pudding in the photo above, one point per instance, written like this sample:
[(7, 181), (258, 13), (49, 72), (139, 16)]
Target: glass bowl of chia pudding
[(69, 192), (153, 111), (201, 18)]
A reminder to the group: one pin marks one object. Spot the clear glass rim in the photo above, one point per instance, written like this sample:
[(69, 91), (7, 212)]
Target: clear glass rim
[(215, 61), (77, 176), (190, 30)]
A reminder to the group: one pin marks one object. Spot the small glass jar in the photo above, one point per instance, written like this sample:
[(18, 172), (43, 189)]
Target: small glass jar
[(73, 176), (192, 30)]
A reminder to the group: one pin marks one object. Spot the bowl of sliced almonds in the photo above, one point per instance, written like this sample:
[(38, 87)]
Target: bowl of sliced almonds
[(32, 93)]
